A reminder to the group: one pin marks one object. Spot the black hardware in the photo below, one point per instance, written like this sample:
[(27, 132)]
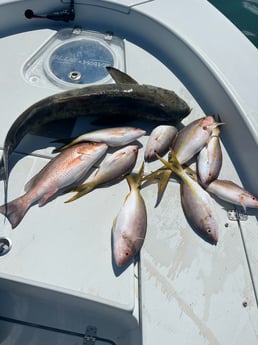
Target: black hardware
[(5, 245), (90, 336), (64, 15)]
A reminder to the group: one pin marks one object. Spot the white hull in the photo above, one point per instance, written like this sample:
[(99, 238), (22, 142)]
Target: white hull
[(58, 278)]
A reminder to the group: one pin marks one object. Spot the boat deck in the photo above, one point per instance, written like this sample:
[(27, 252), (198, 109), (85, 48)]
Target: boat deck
[(59, 278)]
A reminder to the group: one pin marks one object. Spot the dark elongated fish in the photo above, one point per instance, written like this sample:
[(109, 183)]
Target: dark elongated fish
[(119, 101)]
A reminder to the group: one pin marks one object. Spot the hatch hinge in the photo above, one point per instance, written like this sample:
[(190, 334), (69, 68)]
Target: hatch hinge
[(237, 215), (64, 15), (90, 336)]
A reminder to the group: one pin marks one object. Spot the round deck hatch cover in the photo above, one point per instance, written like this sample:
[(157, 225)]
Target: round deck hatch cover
[(73, 57), (80, 62)]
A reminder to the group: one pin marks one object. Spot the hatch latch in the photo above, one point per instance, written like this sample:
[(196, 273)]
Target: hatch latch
[(90, 336), (236, 215), (64, 15)]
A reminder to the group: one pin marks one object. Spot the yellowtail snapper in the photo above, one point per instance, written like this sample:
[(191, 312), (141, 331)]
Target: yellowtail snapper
[(130, 225), (114, 167), (196, 202)]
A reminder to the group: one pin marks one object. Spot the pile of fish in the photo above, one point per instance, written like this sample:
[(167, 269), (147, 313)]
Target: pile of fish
[(125, 100), (74, 168)]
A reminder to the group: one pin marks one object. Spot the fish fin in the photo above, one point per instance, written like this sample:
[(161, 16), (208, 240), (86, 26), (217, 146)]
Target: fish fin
[(81, 190), (173, 163), (30, 183), (166, 163), (161, 176), (114, 225), (242, 202), (244, 207), (135, 181), (46, 197), (14, 211), (162, 184), (140, 175), (120, 77), (153, 176)]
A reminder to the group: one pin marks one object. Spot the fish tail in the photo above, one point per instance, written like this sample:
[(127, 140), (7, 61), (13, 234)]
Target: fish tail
[(173, 163), (81, 190), (161, 176), (14, 211), (217, 124), (139, 176), (136, 181), (162, 184)]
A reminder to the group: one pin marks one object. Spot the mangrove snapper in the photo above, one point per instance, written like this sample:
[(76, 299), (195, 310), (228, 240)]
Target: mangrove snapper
[(66, 169)]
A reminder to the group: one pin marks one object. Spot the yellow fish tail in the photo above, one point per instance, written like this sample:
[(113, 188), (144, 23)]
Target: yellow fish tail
[(81, 190), (135, 181), (162, 184), (173, 163)]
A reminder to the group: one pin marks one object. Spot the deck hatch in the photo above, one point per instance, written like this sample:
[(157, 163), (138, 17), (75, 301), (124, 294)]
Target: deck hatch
[(74, 57)]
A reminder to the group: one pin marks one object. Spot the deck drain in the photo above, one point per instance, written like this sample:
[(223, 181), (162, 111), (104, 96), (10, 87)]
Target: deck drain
[(5, 245)]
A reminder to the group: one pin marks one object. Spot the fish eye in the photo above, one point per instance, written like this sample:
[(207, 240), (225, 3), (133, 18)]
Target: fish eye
[(204, 128)]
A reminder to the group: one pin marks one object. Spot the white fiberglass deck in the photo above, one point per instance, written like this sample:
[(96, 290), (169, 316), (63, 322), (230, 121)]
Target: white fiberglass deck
[(59, 272)]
